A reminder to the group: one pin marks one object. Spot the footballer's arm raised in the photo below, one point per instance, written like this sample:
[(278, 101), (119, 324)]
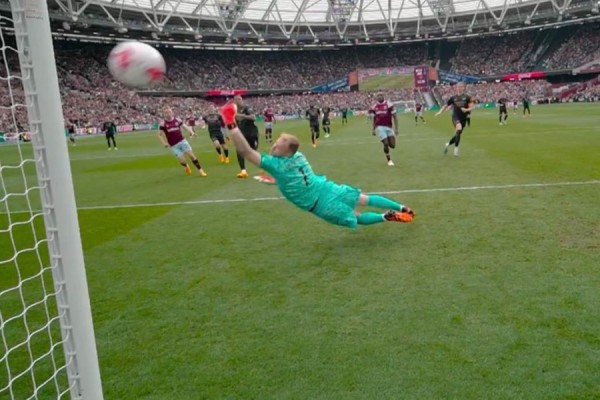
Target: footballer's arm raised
[(243, 147)]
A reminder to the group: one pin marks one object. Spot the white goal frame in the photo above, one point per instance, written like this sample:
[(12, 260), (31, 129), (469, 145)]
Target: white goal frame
[(408, 105), (46, 124)]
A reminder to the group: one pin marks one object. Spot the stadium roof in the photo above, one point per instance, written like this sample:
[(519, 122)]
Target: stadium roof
[(314, 11), (303, 22)]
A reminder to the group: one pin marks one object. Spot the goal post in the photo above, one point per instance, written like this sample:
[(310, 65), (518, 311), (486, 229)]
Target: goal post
[(404, 105), (68, 293)]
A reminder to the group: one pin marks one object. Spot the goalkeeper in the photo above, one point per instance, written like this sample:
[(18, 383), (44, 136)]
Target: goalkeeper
[(298, 183)]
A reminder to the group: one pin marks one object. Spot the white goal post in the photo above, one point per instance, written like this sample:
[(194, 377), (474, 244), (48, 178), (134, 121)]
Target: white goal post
[(404, 105), (47, 344)]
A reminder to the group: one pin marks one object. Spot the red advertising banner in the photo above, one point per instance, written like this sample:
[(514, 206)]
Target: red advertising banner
[(524, 75), (232, 92)]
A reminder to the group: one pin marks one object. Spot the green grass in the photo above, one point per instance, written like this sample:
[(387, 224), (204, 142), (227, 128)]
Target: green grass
[(492, 293), (386, 82)]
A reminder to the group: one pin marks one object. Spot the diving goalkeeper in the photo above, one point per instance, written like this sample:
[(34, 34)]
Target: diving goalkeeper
[(316, 194)]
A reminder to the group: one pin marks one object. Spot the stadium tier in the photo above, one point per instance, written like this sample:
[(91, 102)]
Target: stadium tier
[(90, 96)]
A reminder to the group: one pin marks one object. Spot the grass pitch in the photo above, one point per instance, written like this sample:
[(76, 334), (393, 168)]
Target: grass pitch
[(386, 82), (213, 288)]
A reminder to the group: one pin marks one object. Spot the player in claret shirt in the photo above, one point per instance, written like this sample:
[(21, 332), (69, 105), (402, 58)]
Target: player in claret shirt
[(385, 125), (171, 136), (419, 114), (192, 122), (269, 116)]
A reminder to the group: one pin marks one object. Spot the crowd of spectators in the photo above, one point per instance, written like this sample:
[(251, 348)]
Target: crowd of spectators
[(493, 55), (511, 90), (90, 96), (579, 49)]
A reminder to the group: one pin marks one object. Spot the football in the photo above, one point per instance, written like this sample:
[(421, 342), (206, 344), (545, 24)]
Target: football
[(136, 64)]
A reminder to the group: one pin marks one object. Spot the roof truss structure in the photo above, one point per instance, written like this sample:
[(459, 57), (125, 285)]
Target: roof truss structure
[(306, 20)]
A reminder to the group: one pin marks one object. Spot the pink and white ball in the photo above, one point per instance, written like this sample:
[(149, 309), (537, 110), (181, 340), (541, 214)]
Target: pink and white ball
[(136, 64)]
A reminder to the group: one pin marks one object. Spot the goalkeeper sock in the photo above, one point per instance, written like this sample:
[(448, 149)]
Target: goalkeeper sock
[(226, 151), (218, 150), (183, 164), (375, 200), (370, 218)]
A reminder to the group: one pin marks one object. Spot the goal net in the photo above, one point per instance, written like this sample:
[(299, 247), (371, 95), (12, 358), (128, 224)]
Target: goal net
[(47, 346), (404, 105)]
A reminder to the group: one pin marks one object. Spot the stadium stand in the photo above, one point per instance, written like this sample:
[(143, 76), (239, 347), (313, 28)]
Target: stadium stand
[(91, 97)]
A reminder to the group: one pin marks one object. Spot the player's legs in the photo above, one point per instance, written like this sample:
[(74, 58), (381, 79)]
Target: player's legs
[(195, 161), (396, 211), (314, 134), (455, 140), (268, 132), (505, 117), (388, 140), (184, 164), (108, 141), (253, 142)]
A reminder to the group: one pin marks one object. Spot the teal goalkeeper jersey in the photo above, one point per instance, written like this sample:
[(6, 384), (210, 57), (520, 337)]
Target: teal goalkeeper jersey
[(295, 179)]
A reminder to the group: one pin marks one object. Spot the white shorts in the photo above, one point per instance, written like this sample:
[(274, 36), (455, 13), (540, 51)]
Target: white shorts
[(384, 132), (268, 125), (419, 113), (181, 148)]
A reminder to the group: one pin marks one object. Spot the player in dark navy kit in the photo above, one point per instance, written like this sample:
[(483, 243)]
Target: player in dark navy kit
[(246, 120), (313, 114), (461, 105), (526, 107), (344, 115), (110, 130), (326, 121), (72, 131), (214, 123), (503, 113)]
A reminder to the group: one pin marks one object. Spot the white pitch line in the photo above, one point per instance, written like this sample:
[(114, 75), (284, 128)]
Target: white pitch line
[(355, 141), (259, 199)]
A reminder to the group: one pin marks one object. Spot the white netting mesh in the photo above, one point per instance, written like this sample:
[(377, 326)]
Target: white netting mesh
[(32, 361), (404, 105)]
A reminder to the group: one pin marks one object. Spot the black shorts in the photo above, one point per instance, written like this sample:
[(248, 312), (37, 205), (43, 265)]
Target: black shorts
[(315, 128), (109, 135), (462, 119), (344, 116), (252, 140), (503, 110), (217, 137), (326, 122)]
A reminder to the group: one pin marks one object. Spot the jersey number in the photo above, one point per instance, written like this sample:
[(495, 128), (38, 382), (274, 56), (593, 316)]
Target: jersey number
[(304, 175)]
